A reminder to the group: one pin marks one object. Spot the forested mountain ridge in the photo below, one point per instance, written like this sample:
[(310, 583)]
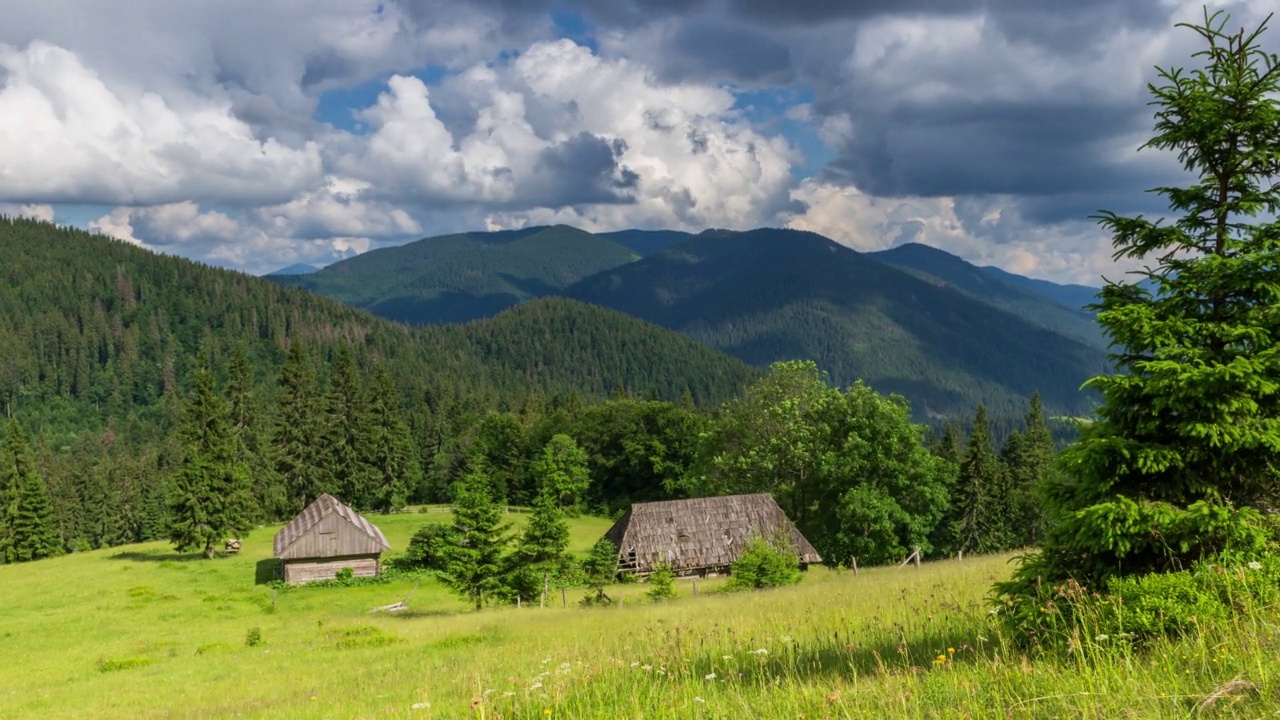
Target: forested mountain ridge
[(1035, 301), (95, 328), (767, 295), (461, 277)]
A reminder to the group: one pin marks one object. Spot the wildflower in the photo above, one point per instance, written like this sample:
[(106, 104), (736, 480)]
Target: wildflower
[(535, 686), (1103, 638), (709, 676), (786, 638), (951, 651), (646, 668), (420, 706), (508, 694), (761, 651), (1255, 565), (635, 664), (547, 711), (727, 657), (698, 700)]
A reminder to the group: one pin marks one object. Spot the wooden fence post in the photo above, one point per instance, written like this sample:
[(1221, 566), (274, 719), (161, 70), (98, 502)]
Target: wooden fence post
[(695, 586), (564, 602), (960, 556), (915, 551), (542, 602), (855, 567)]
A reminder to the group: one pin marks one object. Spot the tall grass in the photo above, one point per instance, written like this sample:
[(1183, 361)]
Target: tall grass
[(137, 632)]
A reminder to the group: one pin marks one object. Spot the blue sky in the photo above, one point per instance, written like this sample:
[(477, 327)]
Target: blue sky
[(255, 135)]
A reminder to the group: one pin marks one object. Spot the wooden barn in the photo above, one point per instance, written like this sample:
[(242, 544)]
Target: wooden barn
[(701, 536), (327, 537)]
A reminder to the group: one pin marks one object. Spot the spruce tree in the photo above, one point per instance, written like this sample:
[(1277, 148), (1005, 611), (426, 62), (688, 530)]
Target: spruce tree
[(346, 435), (546, 535), (296, 442), (473, 553), (1180, 462), (210, 498), (601, 569), (392, 457), (1028, 460), (31, 531), (978, 524), (251, 448)]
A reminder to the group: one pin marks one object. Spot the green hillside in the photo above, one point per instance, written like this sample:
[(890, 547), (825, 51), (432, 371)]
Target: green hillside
[(1035, 301), (456, 278), (767, 295), (1071, 296)]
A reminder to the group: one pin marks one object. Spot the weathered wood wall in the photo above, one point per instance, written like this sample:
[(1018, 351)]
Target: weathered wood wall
[(301, 571), (332, 537)]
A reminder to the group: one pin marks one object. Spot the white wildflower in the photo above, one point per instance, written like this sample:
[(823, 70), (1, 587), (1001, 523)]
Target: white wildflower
[(760, 651), (646, 668), (698, 700), (727, 657), (635, 664), (420, 706), (1103, 637), (535, 686), (1255, 565), (709, 676)]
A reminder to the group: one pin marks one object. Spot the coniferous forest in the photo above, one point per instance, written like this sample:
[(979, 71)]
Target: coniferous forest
[(143, 389)]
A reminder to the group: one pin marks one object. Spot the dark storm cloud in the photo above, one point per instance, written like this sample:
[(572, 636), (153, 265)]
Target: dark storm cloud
[(583, 169), (704, 47)]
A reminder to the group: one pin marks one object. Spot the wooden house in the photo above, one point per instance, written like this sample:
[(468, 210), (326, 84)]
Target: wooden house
[(326, 538), (702, 536)]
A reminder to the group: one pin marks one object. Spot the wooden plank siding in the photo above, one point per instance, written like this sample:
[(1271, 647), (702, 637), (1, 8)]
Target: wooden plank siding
[(302, 571), (332, 536)]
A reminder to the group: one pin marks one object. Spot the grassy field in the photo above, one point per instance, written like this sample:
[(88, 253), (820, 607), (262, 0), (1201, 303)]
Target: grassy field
[(139, 632)]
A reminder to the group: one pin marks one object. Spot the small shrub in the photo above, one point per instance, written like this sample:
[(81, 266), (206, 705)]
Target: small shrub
[(764, 565), (1161, 604), (662, 583), (253, 638), (123, 664), (345, 575)]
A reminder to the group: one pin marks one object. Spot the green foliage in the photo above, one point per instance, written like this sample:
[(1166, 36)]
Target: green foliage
[(561, 473), (1184, 448), (980, 523), (473, 553), (392, 458), (662, 583), (211, 497), (600, 568), (426, 549), (546, 535), (773, 294), (28, 528), (848, 467), (128, 663), (297, 455), (764, 565), (365, 636), (253, 638)]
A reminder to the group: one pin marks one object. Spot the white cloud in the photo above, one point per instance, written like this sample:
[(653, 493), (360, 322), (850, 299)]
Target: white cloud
[(65, 136), (987, 232), (29, 210)]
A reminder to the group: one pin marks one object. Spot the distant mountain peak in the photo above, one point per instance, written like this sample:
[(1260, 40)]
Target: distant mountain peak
[(295, 269)]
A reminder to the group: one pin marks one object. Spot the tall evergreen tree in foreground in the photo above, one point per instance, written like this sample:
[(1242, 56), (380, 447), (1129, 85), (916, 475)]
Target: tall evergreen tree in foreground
[(1181, 461), (295, 447), (392, 458), (28, 529), (211, 498), (473, 555)]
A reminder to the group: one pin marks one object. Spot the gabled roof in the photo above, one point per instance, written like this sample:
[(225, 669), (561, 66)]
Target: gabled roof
[(323, 507), (700, 533)]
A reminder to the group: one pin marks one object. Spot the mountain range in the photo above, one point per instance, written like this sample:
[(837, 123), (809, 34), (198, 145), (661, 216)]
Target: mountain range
[(913, 320)]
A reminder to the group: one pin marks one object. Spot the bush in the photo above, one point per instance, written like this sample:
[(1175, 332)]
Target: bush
[(764, 565), (1161, 604), (425, 547), (662, 583), (253, 638)]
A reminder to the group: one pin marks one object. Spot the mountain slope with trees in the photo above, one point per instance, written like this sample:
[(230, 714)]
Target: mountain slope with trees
[(768, 295), (1034, 306), (456, 278)]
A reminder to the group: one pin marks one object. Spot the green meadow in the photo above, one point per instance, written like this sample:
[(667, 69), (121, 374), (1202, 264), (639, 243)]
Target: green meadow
[(140, 632)]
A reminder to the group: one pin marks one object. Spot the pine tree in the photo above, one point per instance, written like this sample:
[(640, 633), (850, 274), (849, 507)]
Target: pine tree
[(1180, 463), (546, 536), (251, 448), (211, 497), (949, 447), (31, 530), (295, 442), (346, 436), (601, 569), (393, 459), (978, 501), (473, 555), (1028, 460)]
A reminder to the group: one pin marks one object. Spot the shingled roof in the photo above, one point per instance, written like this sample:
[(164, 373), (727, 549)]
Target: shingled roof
[(701, 533), (356, 535)]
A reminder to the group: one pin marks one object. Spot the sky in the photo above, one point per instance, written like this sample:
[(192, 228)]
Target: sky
[(254, 134)]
